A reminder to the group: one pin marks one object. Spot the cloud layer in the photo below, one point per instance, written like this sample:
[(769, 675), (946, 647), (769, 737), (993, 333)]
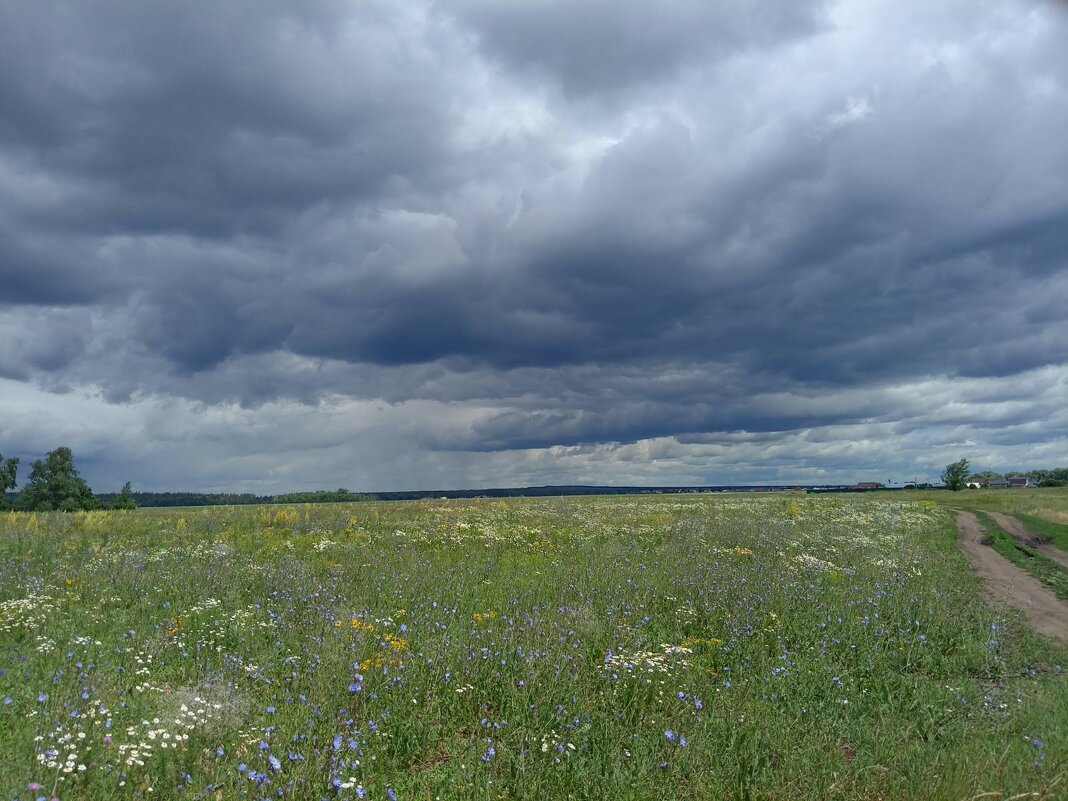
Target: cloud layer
[(394, 245)]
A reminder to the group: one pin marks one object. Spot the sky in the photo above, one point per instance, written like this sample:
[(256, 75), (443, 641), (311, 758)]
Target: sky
[(400, 244)]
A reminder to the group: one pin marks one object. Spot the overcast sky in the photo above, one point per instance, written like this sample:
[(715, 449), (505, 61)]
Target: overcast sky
[(259, 246)]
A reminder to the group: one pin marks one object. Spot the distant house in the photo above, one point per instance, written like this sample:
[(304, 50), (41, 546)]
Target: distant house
[(998, 483), (1021, 482), (869, 485)]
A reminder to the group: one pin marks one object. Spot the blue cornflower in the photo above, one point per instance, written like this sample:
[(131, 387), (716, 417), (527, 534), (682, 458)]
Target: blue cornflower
[(670, 735), (42, 697), (219, 751), (8, 700), (360, 792), (241, 767), (275, 763), (270, 710)]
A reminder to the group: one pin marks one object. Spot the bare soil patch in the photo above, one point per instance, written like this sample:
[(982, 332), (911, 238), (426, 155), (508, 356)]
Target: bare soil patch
[(1007, 584), (1025, 536)]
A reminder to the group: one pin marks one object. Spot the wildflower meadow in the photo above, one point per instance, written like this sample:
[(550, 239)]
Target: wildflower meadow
[(744, 646)]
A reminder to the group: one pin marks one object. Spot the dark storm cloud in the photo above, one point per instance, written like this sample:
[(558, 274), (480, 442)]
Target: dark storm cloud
[(211, 119), (576, 224), (35, 274), (36, 340), (611, 44)]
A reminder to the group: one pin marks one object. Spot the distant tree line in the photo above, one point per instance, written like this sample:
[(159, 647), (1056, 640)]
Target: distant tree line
[(157, 499), (160, 499), (323, 496), (55, 485), (1055, 477)]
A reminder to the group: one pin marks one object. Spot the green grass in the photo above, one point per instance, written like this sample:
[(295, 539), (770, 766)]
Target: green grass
[(745, 646), (1046, 503), (1056, 533)]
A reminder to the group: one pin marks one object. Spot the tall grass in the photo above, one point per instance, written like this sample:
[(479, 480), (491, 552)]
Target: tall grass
[(1046, 503), (630, 647)]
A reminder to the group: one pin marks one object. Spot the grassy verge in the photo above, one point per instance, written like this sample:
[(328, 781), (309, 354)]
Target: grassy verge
[(1045, 570), (1056, 533)]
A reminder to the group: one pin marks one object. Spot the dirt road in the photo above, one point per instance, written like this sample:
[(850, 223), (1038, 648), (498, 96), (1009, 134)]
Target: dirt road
[(1027, 537), (1009, 585)]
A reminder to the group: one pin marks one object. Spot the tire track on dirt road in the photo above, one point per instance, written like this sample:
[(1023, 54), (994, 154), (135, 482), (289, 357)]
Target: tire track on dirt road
[(1025, 536), (1006, 584)]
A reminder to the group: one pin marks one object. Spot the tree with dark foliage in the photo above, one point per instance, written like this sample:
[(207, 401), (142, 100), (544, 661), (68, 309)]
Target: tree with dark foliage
[(55, 485), (125, 499), (8, 468)]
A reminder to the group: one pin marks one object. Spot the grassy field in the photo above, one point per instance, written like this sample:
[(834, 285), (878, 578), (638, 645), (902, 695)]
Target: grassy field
[(1048, 503), (667, 647), (1044, 512)]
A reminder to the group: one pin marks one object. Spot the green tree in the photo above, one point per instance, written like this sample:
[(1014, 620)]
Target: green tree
[(955, 475), (8, 468), (125, 499), (56, 485)]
